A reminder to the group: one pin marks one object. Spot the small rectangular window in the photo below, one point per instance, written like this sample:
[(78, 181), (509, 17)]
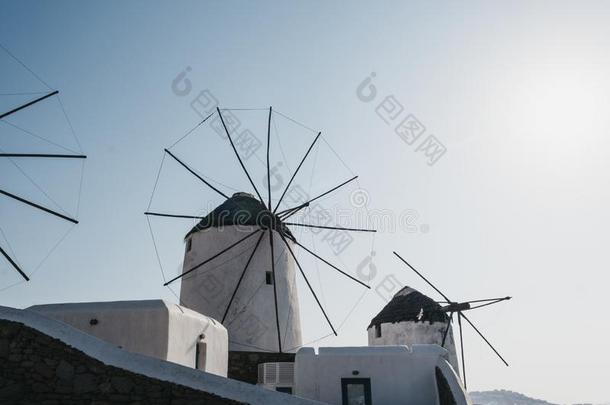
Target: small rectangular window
[(189, 244), (356, 391), (377, 331), (201, 354), (269, 278)]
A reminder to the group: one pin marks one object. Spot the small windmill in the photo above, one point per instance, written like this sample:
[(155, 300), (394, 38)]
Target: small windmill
[(27, 155), (455, 307), (268, 219)]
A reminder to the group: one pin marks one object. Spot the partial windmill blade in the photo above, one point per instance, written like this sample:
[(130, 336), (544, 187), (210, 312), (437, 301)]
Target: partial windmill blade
[(452, 307), (489, 303), (447, 329), (331, 227), (241, 277), (284, 214), (460, 315), (15, 265), (465, 305), (181, 163), (308, 284), (212, 258), (40, 207), (41, 155), (159, 214), (424, 278), (192, 129), (485, 339), (277, 314), (305, 204), (68, 154), (28, 104), (32, 134), (331, 265), (195, 174), (295, 172), (488, 299), (237, 154), (268, 164)]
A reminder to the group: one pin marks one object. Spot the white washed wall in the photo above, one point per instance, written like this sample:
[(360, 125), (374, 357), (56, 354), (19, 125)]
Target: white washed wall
[(154, 328), (410, 333), (399, 375)]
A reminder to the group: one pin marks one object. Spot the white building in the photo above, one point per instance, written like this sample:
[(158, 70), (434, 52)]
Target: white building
[(251, 318), (154, 328), (166, 374), (380, 375), (412, 318)]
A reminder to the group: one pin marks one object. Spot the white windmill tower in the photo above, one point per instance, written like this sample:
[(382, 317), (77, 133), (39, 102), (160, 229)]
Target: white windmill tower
[(413, 318), (242, 288)]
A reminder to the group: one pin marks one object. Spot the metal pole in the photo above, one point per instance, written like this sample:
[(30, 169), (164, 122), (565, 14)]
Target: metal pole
[(41, 155), (331, 227), (26, 105), (212, 258), (237, 154), (277, 315), (241, 278), (15, 265), (158, 214), (196, 175), (331, 265), (447, 330), (268, 165), (485, 339), (295, 172), (424, 278), (462, 349), (295, 209), (40, 207), (308, 285)]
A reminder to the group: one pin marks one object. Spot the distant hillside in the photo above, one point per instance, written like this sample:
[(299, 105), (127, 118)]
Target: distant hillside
[(503, 397)]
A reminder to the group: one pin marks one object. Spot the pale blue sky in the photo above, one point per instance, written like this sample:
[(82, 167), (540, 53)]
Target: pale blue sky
[(518, 204)]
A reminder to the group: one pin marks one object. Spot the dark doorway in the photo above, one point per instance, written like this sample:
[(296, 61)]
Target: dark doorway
[(356, 391)]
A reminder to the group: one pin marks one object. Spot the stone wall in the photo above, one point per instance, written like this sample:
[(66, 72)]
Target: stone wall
[(38, 369), (243, 366)]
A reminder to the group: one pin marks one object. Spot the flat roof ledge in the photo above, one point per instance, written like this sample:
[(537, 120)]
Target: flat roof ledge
[(418, 349)]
